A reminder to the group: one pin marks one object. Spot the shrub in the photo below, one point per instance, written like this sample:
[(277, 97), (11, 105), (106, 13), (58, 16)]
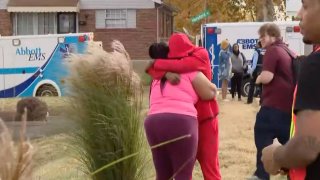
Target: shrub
[(106, 100)]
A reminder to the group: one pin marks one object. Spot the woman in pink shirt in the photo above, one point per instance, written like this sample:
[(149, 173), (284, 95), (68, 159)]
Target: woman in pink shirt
[(172, 115)]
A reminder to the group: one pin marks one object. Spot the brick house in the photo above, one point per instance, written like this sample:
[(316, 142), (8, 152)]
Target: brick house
[(136, 23)]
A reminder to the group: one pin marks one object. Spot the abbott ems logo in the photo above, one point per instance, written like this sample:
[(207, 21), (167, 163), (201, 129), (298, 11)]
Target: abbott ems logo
[(34, 54), (248, 43)]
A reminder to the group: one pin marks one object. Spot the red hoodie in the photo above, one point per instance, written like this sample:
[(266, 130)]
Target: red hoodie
[(185, 57)]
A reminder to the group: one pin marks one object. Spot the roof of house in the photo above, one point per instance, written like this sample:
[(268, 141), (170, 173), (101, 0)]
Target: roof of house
[(61, 5), (43, 3), (43, 6)]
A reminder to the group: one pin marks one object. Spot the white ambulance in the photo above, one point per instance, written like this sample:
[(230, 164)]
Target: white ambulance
[(35, 65), (246, 35)]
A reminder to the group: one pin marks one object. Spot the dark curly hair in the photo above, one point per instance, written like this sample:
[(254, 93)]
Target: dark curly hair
[(159, 51)]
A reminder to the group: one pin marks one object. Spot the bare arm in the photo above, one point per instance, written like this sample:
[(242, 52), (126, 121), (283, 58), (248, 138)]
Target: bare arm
[(205, 89), (304, 147), (270, 63), (265, 77)]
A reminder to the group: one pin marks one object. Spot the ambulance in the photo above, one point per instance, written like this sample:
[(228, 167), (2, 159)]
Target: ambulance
[(35, 65), (246, 35)]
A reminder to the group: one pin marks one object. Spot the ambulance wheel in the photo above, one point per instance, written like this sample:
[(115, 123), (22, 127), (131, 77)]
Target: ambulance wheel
[(245, 87), (47, 90)]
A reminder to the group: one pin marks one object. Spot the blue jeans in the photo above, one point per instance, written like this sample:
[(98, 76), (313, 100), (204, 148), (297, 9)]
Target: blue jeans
[(270, 123)]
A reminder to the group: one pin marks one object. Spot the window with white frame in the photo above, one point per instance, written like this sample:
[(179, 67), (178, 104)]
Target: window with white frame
[(115, 18), (34, 23)]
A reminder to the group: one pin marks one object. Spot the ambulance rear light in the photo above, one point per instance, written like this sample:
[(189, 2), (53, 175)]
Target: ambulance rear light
[(295, 29), (289, 29), (218, 31), (83, 38), (212, 30)]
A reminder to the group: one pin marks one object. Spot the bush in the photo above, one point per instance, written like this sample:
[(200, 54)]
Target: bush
[(146, 79), (106, 100)]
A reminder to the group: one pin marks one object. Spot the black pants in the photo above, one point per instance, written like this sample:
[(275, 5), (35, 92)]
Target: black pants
[(270, 123), (254, 89), (236, 83)]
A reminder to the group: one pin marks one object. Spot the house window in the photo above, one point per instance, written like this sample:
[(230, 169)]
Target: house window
[(115, 18), (169, 25), (34, 23), (166, 24), (66, 23), (46, 23), (24, 24)]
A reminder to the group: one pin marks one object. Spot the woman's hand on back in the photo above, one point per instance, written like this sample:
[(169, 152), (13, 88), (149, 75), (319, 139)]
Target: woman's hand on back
[(173, 78)]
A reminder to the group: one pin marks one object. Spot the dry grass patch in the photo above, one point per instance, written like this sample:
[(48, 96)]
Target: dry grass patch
[(56, 105), (237, 149)]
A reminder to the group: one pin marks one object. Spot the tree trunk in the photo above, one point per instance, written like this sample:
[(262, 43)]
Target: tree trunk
[(265, 10), (270, 11)]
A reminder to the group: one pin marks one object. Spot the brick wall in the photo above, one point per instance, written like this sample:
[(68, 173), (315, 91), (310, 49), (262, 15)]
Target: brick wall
[(5, 23), (136, 41)]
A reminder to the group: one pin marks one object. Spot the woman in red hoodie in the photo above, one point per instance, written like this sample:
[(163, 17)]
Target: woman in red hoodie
[(171, 116), (185, 57)]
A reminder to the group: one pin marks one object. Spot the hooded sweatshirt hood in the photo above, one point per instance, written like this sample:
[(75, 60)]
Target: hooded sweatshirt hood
[(180, 46)]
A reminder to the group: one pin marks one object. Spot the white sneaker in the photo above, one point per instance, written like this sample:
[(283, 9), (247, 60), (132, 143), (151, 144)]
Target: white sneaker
[(226, 100)]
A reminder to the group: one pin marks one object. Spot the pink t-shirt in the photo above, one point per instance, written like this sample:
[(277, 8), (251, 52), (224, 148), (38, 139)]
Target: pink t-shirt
[(178, 99)]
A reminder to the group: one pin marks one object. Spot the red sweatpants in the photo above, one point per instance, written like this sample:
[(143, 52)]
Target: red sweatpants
[(208, 146)]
